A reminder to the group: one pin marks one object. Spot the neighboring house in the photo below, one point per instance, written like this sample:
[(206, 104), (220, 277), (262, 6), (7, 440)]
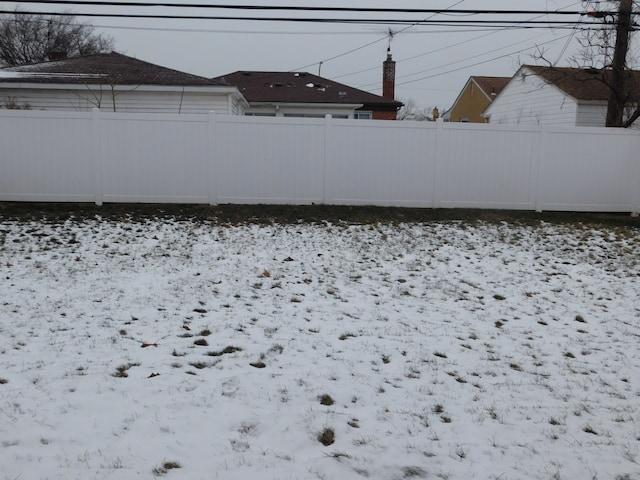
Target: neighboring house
[(302, 94), (474, 97), (553, 96), (114, 82)]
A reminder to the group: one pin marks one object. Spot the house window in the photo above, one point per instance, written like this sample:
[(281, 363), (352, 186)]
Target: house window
[(252, 114), (304, 115), (362, 115)]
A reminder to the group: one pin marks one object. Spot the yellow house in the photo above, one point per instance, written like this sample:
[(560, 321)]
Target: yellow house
[(476, 95)]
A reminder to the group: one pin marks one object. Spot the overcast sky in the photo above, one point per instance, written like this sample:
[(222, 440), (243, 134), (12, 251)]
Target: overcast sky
[(433, 62)]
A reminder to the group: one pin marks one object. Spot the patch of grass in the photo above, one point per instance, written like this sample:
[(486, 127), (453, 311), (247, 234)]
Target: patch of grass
[(440, 354), (344, 336), (327, 437), (413, 472), (589, 429), (499, 297), (258, 364), (121, 371), (175, 353), (580, 318), (516, 367), (326, 400), (499, 324), (164, 468), (569, 355), (201, 342), (3, 381), (205, 333), (225, 351), (445, 419), (199, 365)]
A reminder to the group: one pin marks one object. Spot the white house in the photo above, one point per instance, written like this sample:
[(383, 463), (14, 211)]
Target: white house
[(538, 95), (114, 82)]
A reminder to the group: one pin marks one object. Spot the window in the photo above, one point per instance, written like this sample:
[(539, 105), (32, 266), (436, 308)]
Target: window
[(304, 115), (362, 115), (464, 119)]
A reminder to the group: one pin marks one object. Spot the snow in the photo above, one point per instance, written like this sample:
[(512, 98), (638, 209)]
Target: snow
[(450, 350), (25, 73)]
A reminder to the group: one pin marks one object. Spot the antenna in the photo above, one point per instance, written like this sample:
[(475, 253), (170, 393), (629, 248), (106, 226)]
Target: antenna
[(391, 35)]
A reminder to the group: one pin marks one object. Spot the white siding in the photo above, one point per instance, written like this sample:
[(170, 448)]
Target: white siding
[(529, 100), (131, 101), (591, 115)]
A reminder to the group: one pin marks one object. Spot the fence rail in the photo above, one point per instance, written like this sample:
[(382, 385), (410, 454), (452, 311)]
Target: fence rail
[(157, 158)]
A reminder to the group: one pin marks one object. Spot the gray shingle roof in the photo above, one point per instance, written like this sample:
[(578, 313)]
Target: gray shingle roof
[(105, 68), (300, 87)]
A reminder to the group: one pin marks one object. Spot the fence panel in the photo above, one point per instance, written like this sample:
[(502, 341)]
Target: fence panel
[(272, 160), (46, 156), (488, 166), (154, 158), (590, 169), (380, 163)]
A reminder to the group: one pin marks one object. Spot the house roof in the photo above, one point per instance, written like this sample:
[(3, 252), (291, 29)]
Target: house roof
[(491, 86), (579, 83), (300, 87), (100, 69)]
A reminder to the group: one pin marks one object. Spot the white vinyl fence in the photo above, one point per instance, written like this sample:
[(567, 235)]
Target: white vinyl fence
[(157, 158)]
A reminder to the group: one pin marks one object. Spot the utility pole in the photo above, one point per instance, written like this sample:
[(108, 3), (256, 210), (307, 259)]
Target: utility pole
[(619, 86)]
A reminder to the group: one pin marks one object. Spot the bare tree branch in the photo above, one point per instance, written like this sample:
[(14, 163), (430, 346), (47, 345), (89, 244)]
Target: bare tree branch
[(26, 38)]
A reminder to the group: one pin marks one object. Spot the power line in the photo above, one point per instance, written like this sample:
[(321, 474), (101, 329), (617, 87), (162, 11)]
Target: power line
[(541, 24), (478, 63), (389, 35), (299, 8), (446, 47)]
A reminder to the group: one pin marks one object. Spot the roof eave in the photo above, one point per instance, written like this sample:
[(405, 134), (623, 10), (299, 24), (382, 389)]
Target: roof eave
[(137, 87)]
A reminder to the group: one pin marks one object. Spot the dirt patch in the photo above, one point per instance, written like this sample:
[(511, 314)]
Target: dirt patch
[(292, 214)]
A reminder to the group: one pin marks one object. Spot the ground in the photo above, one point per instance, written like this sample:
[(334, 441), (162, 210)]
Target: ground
[(317, 342)]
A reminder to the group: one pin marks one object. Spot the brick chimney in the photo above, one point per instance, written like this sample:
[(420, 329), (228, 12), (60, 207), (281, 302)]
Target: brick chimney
[(389, 77)]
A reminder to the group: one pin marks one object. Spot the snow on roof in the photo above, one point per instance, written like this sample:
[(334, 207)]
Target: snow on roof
[(39, 76)]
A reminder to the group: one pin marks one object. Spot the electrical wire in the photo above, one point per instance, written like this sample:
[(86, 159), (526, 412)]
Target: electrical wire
[(298, 8)]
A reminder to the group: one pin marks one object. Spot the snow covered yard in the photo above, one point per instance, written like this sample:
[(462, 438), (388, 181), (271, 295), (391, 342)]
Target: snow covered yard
[(194, 350)]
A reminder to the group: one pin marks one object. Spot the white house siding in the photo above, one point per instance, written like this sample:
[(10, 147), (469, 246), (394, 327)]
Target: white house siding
[(131, 100), (591, 115), (528, 100)]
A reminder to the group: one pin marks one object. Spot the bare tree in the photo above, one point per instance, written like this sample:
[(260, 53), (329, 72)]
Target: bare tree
[(26, 38), (605, 51), (410, 111)]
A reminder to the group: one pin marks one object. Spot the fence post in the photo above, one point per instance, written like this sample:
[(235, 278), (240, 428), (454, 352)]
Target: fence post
[(97, 155), (440, 150), (211, 159), (635, 195), (328, 126), (538, 167)]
